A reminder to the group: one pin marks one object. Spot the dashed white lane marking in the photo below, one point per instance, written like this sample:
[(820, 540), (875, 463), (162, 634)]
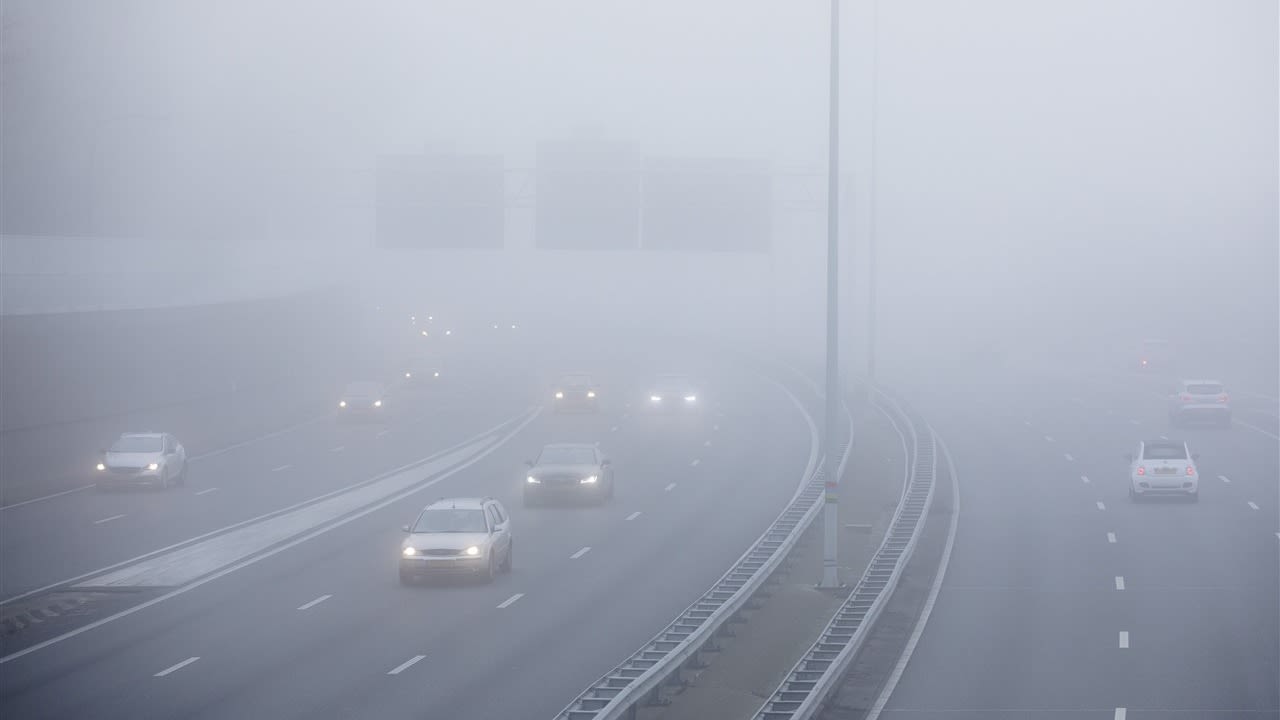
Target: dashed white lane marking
[(1253, 505), (1102, 505), (1048, 438), (613, 429), (1027, 423), (1068, 457), (1224, 478), (405, 665), (175, 668), (1135, 422), (1124, 639), (1120, 714), (313, 603), (1084, 479), (580, 553), (1111, 537), (282, 468), (1164, 437), (634, 515), (384, 431), (706, 444), (509, 601), (206, 491), (1119, 582), (695, 463), (107, 519), (669, 488), (340, 448)]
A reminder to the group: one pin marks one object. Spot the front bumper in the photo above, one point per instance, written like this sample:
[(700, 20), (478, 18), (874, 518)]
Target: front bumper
[(119, 477), (1210, 413), (422, 566)]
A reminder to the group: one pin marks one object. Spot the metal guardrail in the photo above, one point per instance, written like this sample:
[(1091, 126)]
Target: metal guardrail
[(820, 670), (640, 677)]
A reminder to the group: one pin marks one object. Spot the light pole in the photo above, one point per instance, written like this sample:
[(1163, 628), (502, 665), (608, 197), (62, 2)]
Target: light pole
[(830, 518), (871, 201)]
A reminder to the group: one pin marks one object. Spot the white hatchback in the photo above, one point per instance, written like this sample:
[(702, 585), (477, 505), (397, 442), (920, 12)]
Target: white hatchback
[(1163, 468)]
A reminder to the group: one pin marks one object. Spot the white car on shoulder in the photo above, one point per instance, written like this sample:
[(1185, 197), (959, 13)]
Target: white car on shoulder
[(1163, 468)]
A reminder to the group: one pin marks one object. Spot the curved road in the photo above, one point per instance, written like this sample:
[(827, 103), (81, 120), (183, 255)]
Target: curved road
[(321, 628)]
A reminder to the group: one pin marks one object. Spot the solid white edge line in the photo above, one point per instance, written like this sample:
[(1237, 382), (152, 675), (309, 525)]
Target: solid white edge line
[(509, 601), (634, 515), (527, 418), (1255, 428), (1111, 537), (405, 665), (1124, 639), (580, 553), (206, 491), (1119, 582), (892, 683), (530, 415), (108, 519), (313, 603), (49, 497), (175, 668)]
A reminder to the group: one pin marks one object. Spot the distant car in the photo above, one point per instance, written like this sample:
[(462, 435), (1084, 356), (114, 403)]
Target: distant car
[(366, 400), (576, 392), (568, 471), (670, 392), (1154, 354), (421, 369), (1200, 400), (457, 536), (1163, 468), (150, 458)]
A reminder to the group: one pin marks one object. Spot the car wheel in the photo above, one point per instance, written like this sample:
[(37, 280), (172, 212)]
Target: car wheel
[(164, 480), (506, 564), (182, 476), (490, 571)]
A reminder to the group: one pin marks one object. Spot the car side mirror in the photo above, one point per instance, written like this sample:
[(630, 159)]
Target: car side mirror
[(1195, 456), (102, 451), (404, 528), (606, 461), (528, 463), (1128, 456)]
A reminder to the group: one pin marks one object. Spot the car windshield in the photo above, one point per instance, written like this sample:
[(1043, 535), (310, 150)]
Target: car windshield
[(137, 444), (567, 456), (451, 520), (1205, 389), (363, 389), (575, 381), (1165, 451)]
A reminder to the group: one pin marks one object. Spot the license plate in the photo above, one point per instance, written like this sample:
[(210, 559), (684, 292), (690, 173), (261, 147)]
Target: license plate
[(439, 563), (1166, 471)]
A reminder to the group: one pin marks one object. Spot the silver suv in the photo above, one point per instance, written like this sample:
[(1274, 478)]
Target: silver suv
[(457, 536), (1203, 400), (149, 458)]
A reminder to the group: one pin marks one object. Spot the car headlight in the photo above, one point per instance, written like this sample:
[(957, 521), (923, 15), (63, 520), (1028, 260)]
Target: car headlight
[(377, 403), (655, 398), (153, 466), (589, 479), (424, 334), (559, 395), (690, 398), (437, 374), (409, 552), (342, 403), (408, 374), (102, 466), (472, 551), (533, 480), (591, 393)]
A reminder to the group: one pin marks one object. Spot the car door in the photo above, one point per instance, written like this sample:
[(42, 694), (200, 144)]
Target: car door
[(502, 526)]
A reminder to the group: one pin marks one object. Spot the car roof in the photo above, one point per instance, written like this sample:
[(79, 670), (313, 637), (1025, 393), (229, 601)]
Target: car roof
[(1164, 443), (575, 375), (142, 435), (1201, 382), (569, 445), (458, 503), (364, 385)]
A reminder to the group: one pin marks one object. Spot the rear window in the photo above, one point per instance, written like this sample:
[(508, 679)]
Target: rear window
[(1165, 451), (1205, 389)]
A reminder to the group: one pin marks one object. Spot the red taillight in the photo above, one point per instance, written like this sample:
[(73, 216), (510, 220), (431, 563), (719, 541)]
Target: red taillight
[(1142, 470), (1191, 470), (1186, 397), (1222, 398)]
